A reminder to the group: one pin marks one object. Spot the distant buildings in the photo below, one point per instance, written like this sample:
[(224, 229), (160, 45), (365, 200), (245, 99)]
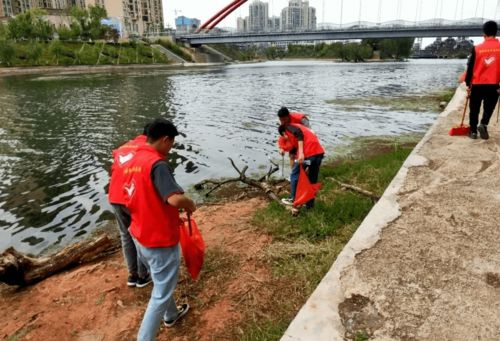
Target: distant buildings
[(298, 15), (136, 17), (186, 25)]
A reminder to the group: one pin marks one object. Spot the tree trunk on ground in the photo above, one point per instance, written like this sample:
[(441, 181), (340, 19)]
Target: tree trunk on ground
[(19, 269)]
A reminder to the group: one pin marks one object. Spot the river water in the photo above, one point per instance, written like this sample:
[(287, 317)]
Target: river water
[(57, 132)]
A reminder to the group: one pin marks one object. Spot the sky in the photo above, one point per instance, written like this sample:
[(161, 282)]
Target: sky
[(329, 11)]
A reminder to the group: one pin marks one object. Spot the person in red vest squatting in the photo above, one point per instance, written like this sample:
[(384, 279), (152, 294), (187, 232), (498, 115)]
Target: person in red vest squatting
[(154, 199), (138, 273), (482, 80), (287, 117), (309, 154)]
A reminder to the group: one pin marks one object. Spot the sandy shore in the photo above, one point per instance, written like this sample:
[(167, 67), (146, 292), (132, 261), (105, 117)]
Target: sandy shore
[(425, 263)]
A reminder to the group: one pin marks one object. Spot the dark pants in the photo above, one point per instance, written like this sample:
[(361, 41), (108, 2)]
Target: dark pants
[(312, 173), (486, 94)]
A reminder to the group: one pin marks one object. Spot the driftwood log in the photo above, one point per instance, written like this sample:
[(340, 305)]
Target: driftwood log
[(261, 184), (19, 269), (357, 189)]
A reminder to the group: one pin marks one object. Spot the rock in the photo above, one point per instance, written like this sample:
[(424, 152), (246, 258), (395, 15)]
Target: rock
[(442, 104)]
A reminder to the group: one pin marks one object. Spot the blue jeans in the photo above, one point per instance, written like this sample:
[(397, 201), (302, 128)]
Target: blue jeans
[(163, 263), (312, 173), (134, 265)]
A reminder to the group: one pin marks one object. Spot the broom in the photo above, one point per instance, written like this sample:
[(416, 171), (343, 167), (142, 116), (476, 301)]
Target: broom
[(461, 129)]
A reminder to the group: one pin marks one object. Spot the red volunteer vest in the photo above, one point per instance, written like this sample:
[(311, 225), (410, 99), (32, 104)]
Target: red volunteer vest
[(285, 144), (296, 117), (154, 222), (487, 62), (312, 146), (121, 157)]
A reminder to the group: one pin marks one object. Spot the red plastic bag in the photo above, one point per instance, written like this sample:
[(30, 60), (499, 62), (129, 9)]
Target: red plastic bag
[(305, 190), (192, 245)]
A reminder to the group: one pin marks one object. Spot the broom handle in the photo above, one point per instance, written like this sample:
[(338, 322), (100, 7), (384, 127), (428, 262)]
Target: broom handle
[(498, 108), (465, 109), (189, 224)]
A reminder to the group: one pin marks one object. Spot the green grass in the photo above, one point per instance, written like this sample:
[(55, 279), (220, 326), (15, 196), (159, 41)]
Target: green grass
[(82, 53), (177, 49), (305, 247)]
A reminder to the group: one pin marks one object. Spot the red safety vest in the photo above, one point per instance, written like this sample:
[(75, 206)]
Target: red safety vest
[(285, 144), (312, 146), (155, 223), (296, 117), (487, 62), (121, 157)]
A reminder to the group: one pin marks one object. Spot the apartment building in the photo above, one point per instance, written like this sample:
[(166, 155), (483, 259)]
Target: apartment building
[(135, 17), (298, 16), (258, 18)]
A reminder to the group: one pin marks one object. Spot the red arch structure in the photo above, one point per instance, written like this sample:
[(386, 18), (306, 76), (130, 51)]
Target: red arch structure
[(219, 16)]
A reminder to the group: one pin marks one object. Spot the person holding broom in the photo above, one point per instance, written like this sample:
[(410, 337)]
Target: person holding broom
[(482, 80), (154, 198)]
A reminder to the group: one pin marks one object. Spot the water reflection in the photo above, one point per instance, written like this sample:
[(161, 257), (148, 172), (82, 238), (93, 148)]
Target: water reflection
[(57, 132)]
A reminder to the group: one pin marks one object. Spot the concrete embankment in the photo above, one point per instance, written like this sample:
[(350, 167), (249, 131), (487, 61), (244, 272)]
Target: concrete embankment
[(425, 262)]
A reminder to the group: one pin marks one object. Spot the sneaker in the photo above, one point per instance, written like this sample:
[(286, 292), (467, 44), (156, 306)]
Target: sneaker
[(143, 281), (473, 135), (483, 131), (182, 310), (287, 201), (132, 280)]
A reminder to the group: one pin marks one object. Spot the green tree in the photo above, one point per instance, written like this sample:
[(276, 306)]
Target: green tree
[(3, 31), (30, 25), (88, 21), (7, 53), (397, 49)]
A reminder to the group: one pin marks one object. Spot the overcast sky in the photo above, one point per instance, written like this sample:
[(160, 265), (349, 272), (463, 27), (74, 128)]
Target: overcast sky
[(330, 10)]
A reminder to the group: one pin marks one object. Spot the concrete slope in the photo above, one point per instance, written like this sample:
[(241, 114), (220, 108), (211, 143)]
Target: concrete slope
[(170, 54), (425, 262)]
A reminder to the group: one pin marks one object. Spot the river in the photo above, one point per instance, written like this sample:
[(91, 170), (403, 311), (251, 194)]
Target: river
[(57, 131)]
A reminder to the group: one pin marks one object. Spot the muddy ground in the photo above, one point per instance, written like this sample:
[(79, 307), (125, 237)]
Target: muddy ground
[(92, 302)]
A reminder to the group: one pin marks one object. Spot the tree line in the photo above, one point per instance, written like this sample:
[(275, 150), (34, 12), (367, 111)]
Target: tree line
[(396, 49)]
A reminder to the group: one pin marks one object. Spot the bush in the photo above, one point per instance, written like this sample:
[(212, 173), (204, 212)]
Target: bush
[(7, 53)]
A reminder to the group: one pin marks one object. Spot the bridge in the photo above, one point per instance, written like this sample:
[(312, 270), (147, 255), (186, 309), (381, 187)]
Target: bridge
[(416, 28), (422, 30)]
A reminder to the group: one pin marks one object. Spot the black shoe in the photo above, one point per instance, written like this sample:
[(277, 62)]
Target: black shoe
[(132, 280), (182, 310), (143, 281), (473, 135), (483, 131)]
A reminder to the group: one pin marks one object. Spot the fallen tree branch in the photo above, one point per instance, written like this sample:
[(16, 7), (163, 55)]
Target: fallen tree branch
[(260, 184), (19, 269), (359, 190)]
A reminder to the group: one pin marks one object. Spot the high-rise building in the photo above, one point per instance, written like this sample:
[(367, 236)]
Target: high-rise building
[(242, 24), (258, 18), (274, 24), (298, 16), (136, 17)]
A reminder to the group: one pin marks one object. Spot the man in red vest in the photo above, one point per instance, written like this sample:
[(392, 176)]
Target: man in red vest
[(154, 198), (287, 117), (482, 80), (309, 154), (138, 273)]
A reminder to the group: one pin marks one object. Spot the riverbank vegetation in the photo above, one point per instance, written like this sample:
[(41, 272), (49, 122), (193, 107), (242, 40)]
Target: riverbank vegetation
[(416, 103), (394, 49), (29, 40), (305, 247)]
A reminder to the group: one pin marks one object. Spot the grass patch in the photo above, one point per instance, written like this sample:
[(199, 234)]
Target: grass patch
[(416, 103), (305, 247), (33, 53)]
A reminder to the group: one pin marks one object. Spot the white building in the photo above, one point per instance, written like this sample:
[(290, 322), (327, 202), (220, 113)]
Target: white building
[(258, 18), (298, 16)]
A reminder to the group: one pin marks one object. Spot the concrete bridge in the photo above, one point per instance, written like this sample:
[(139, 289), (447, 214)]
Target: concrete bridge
[(353, 32)]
